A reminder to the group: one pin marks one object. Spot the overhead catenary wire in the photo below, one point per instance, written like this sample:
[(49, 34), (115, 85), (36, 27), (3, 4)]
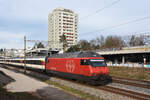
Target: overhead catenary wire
[(99, 10), (118, 25)]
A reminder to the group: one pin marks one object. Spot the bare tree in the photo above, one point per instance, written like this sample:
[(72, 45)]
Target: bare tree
[(114, 42), (93, 44), (137, 41), (74, 48), (132, 41), (84, 45), (100, 41)]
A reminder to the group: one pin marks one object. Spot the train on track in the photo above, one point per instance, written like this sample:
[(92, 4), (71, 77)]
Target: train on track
[(84, 66)]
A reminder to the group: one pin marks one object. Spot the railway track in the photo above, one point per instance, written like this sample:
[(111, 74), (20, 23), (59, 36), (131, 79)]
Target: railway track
[(124, 92), (128, 93), (119, 91), (132, 82), (142, 81), (135, 95)]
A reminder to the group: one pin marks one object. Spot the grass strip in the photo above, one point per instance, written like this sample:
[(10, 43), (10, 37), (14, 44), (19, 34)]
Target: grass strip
[(74, 91)]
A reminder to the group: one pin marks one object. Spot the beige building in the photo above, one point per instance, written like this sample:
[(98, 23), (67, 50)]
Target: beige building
[(62, 21)]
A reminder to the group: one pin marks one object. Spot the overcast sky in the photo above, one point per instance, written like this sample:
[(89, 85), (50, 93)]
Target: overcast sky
[(30, 18)]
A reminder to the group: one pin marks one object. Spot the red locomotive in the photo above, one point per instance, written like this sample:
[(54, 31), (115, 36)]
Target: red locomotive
[(84, 66)]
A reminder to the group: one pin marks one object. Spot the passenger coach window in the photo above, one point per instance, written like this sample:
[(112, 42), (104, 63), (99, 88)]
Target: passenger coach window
[(84, 62)]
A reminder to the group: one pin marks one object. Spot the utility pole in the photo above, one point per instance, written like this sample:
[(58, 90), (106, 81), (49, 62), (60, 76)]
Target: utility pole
[(25, 54), (4, 55)]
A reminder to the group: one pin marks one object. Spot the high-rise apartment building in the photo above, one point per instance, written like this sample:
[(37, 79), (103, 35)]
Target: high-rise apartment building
[(62, 21)]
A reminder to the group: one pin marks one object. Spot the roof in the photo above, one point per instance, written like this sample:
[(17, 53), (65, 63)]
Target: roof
[(76, 54)]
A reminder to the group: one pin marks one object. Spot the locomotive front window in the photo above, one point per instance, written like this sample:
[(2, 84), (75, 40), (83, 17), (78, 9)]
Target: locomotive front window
[(97, 62)]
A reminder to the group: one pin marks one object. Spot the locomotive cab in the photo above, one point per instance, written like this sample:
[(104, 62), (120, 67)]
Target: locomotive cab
[(96, 68)]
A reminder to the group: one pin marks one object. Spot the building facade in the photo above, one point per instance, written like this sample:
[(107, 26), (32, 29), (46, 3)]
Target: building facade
[(62, 21)]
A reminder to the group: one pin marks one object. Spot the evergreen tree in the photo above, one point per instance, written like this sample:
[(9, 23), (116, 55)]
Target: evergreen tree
[(63, 40)]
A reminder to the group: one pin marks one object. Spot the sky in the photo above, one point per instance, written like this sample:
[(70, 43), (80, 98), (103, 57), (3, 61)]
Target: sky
[(19, 18)]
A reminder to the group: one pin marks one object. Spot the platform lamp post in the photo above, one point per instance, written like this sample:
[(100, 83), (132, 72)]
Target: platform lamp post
[(25, 54)]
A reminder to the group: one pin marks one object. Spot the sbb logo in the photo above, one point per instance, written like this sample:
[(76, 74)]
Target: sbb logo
[(70, 66)]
